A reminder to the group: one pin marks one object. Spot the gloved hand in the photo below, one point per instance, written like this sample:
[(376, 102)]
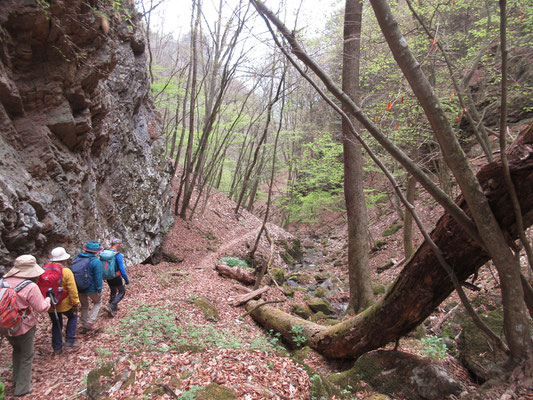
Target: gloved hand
[(127, 282), (76, 308)]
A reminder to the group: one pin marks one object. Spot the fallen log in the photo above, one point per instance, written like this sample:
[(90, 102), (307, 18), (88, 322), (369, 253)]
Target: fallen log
[(235, 273), (252, 295), (423, 284)]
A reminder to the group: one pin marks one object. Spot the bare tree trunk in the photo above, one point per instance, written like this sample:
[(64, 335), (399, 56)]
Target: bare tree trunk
[(187, 169), (361, 295), (408, 220)]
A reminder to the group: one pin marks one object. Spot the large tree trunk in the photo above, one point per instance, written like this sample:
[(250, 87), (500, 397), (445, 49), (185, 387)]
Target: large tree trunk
[(361, 295), (423, 284)]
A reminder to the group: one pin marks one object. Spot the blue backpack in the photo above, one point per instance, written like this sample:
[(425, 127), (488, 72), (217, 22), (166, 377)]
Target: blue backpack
[(109, 264), (82, 275)]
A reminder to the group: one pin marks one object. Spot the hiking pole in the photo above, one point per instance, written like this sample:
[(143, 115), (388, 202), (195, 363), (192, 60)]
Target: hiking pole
[(50, 293)]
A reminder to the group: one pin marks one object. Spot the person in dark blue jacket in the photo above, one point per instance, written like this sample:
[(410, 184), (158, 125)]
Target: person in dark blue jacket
[(94, 292), (116, 286)]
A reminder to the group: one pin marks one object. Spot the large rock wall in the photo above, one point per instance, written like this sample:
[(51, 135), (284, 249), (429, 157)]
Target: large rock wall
[(81, 156)]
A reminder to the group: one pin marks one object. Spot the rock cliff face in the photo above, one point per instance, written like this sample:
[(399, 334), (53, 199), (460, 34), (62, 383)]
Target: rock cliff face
[(81, 156)]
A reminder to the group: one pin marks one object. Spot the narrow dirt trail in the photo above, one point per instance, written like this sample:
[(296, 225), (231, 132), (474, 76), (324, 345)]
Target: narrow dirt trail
[(158, 315), (208, 261)]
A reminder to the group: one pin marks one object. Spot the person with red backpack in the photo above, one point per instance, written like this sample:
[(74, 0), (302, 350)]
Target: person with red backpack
[(28, 301), (60, 280)]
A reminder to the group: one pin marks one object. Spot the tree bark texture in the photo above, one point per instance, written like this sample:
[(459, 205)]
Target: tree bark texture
[(361, 295), (423, 284)]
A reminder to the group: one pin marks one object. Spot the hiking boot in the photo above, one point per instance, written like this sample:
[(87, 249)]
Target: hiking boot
[(91, 329), (72, 345), (25, 393), (108, 310), (58, 352)]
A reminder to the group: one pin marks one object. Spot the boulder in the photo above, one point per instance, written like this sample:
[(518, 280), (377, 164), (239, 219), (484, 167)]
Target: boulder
[(475, 351), (401, 375), (208, 308), (321, 305), (301, 310)]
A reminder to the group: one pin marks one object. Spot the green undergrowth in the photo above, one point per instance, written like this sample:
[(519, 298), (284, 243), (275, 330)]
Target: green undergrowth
[(153, 328), (234, 262)]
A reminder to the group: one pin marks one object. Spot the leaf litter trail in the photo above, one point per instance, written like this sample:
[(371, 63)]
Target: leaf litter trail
[(150, 338)]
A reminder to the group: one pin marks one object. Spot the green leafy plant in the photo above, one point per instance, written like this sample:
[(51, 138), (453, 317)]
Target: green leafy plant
[(191, 393), (297, 336), (433, 348), (234, 262), (149, 326), (103, 351)]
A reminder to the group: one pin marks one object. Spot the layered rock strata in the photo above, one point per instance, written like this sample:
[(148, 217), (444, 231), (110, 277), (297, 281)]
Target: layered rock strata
[(81, 157)]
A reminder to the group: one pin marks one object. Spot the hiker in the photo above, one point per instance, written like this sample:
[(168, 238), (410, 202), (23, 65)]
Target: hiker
[(87, 270), (67, 301), (116, 286), (24, 273)]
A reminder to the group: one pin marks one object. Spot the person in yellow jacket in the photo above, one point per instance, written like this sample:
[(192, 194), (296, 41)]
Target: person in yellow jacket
[(68, 307)]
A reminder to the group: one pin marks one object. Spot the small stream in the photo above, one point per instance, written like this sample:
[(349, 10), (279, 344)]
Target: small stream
[(313, 263)]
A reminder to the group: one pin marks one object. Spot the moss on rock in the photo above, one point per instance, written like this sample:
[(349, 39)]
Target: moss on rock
[(100, 380), (278, 274), (214, 391), (321, 305), (293, 251), (301, 311), (209, 310), (475, 351)]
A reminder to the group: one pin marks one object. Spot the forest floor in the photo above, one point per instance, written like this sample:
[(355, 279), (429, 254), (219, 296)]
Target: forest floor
[(155, 336)]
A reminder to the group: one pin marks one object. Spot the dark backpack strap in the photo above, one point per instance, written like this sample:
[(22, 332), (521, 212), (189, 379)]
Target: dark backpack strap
[(22, 285)]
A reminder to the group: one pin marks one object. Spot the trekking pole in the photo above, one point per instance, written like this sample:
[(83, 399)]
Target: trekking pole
[(50, 293)]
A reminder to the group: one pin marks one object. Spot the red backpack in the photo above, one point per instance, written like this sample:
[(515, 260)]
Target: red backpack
[(52, 278), (11, 316)]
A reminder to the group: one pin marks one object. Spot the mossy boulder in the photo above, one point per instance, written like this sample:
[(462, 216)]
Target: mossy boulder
[(320, 292), (321, 277), (214, 391), (288, 292), (292, 253), (301, 310), (101, 379), (318, 316), (321, 388), (321, 305), (278, 274), (400, 375), (208, 308), (300, 278), (475, 351)]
